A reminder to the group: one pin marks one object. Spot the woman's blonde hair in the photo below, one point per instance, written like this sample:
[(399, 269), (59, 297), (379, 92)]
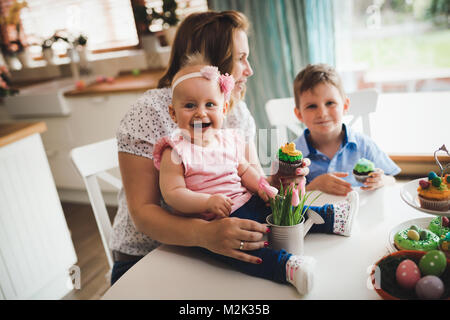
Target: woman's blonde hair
[(209, 33)]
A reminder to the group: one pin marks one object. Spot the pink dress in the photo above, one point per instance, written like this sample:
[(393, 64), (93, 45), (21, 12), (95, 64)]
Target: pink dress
[(211, 170)]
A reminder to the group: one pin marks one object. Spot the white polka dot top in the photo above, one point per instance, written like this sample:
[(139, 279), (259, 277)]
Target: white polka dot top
[(144, 124)]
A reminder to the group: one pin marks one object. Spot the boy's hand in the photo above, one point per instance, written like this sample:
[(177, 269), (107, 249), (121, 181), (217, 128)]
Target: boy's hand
[(375, 180), (220, 205), (331, 183)]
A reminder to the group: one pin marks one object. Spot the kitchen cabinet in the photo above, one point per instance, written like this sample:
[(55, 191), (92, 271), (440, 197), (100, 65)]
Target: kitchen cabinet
[(36, 249)]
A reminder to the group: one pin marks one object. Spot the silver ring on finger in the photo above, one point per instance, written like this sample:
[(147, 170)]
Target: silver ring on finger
[(241, 246)]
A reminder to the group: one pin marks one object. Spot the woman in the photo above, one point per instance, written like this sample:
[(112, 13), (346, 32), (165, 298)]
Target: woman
[(142, 221)]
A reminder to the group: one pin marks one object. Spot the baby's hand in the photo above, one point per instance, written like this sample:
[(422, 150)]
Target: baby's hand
[(263, 195), (220, 205), (375, 180), (331, 183)]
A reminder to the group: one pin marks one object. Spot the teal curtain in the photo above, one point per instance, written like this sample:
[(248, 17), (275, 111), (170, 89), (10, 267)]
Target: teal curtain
[(285, 36)]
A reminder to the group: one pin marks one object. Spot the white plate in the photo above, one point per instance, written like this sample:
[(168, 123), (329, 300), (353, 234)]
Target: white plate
[(422, 223), (409, 195)]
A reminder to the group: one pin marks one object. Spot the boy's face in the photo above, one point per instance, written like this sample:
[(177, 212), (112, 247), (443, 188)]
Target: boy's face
[(198, 107), (321, 109)]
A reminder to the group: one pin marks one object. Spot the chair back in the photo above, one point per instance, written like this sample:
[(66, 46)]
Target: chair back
[(92, 161), (280, 113)]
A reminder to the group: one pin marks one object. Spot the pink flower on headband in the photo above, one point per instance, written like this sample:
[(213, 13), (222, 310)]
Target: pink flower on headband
[(226, 83), (210, 72)]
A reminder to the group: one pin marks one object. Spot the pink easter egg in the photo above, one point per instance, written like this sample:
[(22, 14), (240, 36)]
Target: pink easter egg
[(80, 85), (407, 274)]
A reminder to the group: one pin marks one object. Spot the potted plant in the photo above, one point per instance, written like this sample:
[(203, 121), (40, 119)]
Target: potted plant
[(287, 221), (80, 44), (5, 83), (47, 51), (169, 18), (14, 38)]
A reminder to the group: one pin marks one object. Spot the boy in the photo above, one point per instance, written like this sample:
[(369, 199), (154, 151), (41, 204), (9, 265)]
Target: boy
[(332, 147)]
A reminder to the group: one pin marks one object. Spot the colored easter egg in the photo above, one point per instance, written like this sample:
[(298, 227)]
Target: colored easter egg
[(431, 175), (424, 184), (429, 287), (423, 235), (414, 227), (445, 222), (433, 263), (407, 274), (136, 72), (436, 182), (110, 79), (100, 79), (80, 85), (413, 235)]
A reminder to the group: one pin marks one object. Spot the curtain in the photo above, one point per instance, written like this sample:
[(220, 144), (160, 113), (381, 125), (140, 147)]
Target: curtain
[(285, 36)]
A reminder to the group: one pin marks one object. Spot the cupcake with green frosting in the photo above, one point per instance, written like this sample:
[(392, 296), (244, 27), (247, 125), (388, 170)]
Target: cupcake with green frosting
[(362, 169), (289, 159), (439, 226)]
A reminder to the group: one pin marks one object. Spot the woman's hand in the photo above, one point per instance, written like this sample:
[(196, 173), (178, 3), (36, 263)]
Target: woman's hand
[(301, 172), (224, 237), (331, 183)]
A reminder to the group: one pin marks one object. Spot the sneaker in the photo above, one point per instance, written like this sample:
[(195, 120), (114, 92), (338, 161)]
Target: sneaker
[(344, 214), (299, 272)]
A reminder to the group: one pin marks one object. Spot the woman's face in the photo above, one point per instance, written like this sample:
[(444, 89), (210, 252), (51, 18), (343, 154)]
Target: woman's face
[(241, 68)]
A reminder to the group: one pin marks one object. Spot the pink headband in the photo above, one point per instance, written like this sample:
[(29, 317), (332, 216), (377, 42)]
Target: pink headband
[(226, 81)]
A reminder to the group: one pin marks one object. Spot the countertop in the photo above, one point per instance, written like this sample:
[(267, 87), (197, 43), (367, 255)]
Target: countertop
[(127, 82), (11, 132)]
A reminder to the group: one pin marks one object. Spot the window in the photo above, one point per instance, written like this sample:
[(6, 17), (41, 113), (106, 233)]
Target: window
[(401, 45), (108, 24)]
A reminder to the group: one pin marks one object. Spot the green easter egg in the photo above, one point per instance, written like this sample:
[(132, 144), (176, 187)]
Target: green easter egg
[(436, 182), (136, 72), (433, 263), (414, 227), (423, 235), (413, 235)]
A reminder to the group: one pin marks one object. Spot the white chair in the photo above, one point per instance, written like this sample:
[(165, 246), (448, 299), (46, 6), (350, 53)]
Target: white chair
[(92, 161), (280, 113)]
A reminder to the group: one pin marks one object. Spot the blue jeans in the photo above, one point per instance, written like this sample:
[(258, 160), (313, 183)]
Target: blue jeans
[(273, 266), (274, 261), (120, 267)]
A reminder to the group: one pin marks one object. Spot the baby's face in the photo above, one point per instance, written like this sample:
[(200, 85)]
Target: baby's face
[(322, 109), (198, 107)]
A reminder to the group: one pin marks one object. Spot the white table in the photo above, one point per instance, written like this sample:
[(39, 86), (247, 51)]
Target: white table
[(342, 271)]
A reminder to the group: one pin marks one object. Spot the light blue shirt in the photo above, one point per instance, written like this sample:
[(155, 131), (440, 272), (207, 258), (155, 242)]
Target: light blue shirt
[(356, 145)]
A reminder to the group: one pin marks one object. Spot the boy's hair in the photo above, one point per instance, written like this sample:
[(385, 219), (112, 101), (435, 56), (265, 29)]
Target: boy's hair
[(313, 75)]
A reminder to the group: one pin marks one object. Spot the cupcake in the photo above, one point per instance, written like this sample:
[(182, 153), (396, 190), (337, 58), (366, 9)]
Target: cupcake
[(434, 194), (444, 243), (439, 225), (362, 169), (289, 159)]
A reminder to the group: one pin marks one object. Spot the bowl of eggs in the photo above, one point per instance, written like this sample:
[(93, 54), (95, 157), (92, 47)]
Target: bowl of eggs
[(410, 275)]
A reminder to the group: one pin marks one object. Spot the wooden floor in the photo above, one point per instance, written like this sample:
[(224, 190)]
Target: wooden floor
[(95, 277)]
